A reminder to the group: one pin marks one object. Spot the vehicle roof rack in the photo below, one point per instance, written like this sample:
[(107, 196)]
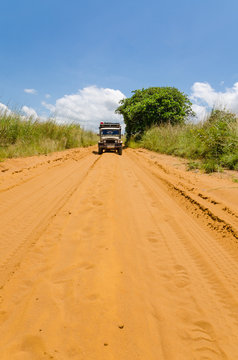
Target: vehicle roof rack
[(110, 125)]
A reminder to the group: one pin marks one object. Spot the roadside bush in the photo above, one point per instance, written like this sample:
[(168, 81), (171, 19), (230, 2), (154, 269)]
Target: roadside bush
[(154, 106), (214, 143), (218, 136), (25, 137)]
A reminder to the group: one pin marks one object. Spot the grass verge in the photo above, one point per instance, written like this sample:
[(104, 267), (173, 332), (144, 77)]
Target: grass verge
[(211, 146), (26, 137)]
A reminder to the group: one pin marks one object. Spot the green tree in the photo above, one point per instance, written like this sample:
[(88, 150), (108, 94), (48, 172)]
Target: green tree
[(154, 106)]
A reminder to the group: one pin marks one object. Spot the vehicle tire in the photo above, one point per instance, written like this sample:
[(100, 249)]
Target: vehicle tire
[(120, 151), (100, 151)]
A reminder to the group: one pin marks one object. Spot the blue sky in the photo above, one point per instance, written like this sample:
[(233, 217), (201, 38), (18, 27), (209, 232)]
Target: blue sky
[(61, 48)]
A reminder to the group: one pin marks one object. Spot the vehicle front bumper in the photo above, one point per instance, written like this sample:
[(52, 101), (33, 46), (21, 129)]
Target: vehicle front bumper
[(109, 145)]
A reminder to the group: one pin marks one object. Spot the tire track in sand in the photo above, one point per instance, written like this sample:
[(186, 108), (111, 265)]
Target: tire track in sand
[(39, 202)]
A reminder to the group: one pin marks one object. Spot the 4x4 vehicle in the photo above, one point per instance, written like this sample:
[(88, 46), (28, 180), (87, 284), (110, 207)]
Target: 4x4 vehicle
[(110, 137)]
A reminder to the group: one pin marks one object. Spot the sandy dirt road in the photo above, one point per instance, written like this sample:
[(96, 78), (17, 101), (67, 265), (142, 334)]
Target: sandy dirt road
[(116, 258)]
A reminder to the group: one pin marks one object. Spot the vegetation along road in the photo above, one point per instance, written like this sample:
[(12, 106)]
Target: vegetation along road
[(116, 257)]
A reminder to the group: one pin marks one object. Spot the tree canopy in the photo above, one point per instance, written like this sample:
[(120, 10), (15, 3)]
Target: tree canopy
[(154, 106)]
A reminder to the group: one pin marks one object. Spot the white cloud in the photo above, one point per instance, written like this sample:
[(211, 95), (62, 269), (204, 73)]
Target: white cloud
[(200, 111), (29, 112), (205, 98), (30, 91), (49, 107), (87, 107), (204, 92), (47, 96), (4, 109)]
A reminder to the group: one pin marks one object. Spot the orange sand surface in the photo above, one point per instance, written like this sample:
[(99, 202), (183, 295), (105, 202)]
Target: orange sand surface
[(117, 258)]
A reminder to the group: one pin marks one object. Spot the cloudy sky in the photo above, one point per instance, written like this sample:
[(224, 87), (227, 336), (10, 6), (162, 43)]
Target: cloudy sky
[(76, 59)]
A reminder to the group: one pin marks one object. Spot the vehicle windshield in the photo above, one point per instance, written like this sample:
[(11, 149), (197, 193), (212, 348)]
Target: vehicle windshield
[(110, 132)]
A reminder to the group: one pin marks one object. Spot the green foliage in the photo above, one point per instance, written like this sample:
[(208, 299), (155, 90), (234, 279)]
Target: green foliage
[(192, 165), (210, 166), (27, 137), (154, 106), (217, 135), (133, 144), (214, 144)]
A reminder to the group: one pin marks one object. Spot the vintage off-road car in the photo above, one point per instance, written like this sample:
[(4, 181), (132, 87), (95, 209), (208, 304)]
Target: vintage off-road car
[(110, 137)]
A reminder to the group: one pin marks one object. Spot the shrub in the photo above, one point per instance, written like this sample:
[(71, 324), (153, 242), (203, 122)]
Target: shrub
[(154, 106), (24, 137), (214, 143)]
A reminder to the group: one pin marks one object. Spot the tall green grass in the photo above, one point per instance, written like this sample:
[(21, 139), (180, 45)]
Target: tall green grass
[(25, 137), (212, 145)]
